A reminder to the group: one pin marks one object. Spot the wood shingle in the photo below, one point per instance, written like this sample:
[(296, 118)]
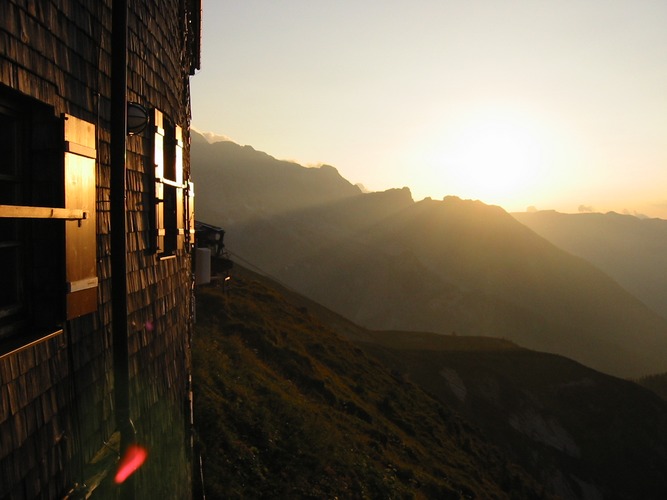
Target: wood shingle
[(57, 406)]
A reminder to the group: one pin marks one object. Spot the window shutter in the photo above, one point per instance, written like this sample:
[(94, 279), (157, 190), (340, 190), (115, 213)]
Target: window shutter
[(158, 158), (180, 201), (190, 221), (80, 235), (170, 210)]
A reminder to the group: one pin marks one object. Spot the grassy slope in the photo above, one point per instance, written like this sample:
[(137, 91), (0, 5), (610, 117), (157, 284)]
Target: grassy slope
[(573, 428), (285, 408)]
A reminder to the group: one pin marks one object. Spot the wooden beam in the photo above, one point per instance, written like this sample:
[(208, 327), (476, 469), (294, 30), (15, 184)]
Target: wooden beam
[(21, 212)]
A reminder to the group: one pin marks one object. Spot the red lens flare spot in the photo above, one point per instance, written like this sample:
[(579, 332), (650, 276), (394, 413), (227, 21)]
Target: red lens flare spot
[(134, 458)]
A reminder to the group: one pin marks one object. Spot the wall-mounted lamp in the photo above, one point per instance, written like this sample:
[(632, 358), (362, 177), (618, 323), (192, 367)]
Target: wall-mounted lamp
[(137, 118)]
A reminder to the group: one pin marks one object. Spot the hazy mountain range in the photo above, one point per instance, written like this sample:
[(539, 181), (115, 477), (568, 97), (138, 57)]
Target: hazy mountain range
[(631, 250), (445, 266)]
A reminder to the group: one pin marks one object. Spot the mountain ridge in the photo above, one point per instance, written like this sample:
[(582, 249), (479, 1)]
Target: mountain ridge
[(451, 265), (611, 241)]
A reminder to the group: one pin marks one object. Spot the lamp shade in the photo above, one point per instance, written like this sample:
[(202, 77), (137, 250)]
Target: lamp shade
[(137, 118)]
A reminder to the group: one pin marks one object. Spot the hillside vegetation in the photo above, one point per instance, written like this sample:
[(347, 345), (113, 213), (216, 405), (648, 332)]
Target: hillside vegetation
[(286, 409), (293, 400)]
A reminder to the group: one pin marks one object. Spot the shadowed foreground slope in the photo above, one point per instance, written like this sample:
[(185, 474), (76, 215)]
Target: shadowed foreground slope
[(582, 433), (286, 409), (656, 383)]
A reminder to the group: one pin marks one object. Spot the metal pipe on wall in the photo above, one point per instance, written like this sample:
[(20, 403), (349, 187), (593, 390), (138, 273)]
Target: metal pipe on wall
[(118, 229)]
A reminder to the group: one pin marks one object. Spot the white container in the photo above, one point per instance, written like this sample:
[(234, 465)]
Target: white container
[(202, 266)]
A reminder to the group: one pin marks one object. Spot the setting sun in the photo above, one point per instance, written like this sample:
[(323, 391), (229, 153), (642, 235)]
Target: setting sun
[(543, 104), (495, 157)]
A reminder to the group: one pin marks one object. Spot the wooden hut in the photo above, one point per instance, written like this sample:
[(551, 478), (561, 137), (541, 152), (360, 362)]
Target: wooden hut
[(96, 235)]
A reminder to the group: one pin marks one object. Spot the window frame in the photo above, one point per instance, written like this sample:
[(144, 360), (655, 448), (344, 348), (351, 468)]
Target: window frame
[(169, 187), (55, 229)]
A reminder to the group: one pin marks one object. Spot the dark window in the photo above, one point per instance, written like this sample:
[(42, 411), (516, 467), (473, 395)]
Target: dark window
[(47, 219), (12, 296), (31, 299)]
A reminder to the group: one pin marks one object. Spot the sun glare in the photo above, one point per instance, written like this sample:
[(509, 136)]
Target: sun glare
[(497, 158)]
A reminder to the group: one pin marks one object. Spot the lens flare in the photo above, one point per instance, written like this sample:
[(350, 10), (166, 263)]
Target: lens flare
[(134, 458)]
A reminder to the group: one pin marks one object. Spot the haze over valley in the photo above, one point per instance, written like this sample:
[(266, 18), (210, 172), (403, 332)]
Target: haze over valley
[(448, 266)]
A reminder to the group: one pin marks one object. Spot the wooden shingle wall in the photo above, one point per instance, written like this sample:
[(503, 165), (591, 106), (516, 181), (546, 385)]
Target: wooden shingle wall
[(56, 397), (35, 420)]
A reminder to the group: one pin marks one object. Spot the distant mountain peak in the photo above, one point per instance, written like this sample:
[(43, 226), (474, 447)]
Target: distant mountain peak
[(210, 137), (439, 265)]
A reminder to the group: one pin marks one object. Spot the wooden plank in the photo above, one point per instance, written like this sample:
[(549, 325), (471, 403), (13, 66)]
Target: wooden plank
[(80, 134), (81, 302), (83, 284), (23, 212), (81, 245), (78, 149), (11, 358)]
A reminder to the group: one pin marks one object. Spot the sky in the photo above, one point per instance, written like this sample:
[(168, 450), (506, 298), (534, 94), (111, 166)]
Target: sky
[(518, 103)]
